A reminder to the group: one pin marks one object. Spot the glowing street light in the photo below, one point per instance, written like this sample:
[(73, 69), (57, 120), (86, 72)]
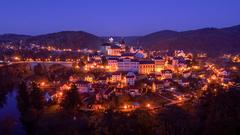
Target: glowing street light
[(148, 105), (42, 84), (196, 67), (213, 77), (16, 58), (234, 68)]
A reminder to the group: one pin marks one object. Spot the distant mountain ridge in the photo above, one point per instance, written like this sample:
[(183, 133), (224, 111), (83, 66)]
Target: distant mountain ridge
[(67, 39), (13, 37), (211, 40)]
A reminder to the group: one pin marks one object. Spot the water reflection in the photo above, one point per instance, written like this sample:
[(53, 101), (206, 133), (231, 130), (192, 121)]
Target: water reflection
[(3, 95), (9, 115), (3, 98)]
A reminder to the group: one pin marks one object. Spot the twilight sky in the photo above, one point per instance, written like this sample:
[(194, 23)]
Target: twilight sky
[(115, 17)]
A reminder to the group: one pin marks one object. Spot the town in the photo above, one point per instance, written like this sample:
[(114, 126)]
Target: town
[(124, 67), (119, 76)]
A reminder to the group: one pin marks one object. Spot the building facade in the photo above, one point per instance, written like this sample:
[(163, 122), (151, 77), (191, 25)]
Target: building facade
[(146, 67), (128, 65)]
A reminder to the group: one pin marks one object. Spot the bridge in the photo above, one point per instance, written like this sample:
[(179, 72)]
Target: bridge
[(47, 64)]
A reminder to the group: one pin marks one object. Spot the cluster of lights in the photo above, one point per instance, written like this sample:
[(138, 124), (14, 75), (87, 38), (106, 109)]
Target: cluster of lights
[(95, 66), (196, 67), (148, 105), (16, 58), (236, 59), (77, 67)]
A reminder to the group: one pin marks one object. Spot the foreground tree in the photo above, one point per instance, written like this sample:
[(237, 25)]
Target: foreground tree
[(23, 100), (175, 121), (219, 112), (37, 97), (143, 122), (29, 105), (71, 101), (7, 125)]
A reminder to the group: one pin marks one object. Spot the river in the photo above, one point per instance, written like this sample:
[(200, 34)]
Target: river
[(9, 115)]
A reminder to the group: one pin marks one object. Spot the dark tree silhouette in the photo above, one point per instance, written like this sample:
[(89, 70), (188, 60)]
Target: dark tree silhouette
[(174, 121), (219, 112), (23, 100), (29, 104), (37, 97), (104, 61), (71, 101), (143, 122)]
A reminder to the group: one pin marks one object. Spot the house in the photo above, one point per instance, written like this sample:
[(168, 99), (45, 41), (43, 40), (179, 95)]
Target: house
[(178, 62), (167, 82), (130, 78), (89, 78), (159, 64), (128, 56), (107, 93), (87, 100), (122, 44), (134, 92), (132, 50), (146, 67), (48, 97), (99, 96), (73, 78), (184, 82), (179, 53), (105, 47), (65, 87), (182, 63), (166, 74), (95, 57), (83, 86), (187, 74), (98, 107), (157, 86), (114, 50), (171, 89), (112, 64), (223, 73), (102, 80), (116, 77), (175, 61), (135, 105), (140, 53)]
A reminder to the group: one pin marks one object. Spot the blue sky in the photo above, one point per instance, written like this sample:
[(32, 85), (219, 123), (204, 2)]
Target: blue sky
[(115, 17)]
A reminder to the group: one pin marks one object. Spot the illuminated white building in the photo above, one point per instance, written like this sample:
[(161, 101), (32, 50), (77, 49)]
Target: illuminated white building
[(128, 65), (114, 50)]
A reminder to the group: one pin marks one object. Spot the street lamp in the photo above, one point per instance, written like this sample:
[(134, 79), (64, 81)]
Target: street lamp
[(42, 84)]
